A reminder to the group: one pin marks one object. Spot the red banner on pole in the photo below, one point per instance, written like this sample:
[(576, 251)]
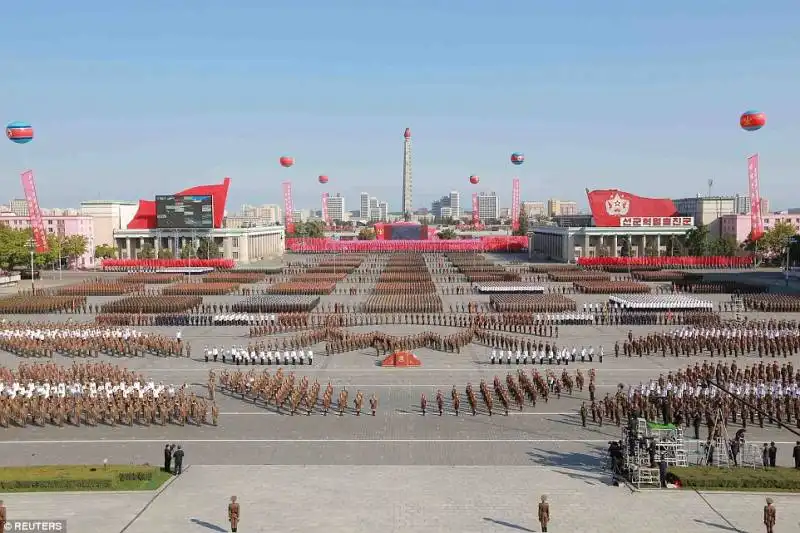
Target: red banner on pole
[(515, 205), (325, 215), (288, 207), (476, 217), (34, 213), (756, 222)]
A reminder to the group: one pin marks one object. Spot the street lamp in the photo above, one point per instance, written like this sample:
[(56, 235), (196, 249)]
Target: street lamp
[(32, 250)]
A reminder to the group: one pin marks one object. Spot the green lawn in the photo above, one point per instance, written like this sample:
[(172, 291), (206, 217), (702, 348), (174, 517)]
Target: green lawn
[(70, 478), (738, 479)]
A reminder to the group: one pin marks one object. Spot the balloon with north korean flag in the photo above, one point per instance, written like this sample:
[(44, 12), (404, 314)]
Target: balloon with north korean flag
[(19, 132), (752, 120)]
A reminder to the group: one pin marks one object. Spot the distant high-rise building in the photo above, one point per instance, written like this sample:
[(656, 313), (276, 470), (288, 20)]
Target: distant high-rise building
[(455, 204), (336, 209), (534, 209), (765, 206), (557, 207), (20, 207), (364, 205), (268, 213), (488, 206), (407, 178), (384, 211)]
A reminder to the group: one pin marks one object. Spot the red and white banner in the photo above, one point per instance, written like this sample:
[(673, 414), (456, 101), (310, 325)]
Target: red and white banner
[(515, 205), (34, 213), (288, 207), (476, 217), (502, 243), (325, 216), (432, 232), (610, 206), (756, 222)]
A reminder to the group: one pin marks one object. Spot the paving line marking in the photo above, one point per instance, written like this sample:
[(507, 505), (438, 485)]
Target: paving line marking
[(317, 441), (403, 413), (301, 441), (387, 370)]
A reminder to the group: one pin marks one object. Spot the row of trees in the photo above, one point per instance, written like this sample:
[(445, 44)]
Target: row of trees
[(15, 249)]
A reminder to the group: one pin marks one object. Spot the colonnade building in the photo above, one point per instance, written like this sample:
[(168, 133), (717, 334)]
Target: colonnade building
[(190, 216), (619, 220)]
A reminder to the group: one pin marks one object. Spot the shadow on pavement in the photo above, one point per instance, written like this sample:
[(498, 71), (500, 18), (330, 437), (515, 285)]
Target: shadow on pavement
[(718, 526), (207, 525), (508, 525)]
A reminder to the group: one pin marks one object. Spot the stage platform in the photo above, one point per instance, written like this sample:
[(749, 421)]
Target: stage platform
[(670, 302)]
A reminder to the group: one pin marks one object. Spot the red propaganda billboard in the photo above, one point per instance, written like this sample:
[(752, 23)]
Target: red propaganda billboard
[(611, 206)]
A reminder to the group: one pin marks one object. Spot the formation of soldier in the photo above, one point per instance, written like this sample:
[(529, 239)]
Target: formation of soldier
[(694, 396), (287, 394), (95, 393), (28, 339), (513, 392), (765, 338)]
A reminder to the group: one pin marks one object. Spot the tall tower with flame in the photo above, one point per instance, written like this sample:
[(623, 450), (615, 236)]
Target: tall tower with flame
[(407, 186)]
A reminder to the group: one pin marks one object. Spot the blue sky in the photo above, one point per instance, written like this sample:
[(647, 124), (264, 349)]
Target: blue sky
[(132, 99)]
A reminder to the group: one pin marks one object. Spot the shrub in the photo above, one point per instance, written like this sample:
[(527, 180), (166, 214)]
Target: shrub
[(697, 477)]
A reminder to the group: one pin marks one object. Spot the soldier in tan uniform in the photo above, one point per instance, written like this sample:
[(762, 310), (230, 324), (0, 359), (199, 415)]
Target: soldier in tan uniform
[(2, 516), (544, 514), (769, 516), (233, 513)]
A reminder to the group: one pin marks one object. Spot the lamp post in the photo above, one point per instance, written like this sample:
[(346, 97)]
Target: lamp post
[(32, 250)]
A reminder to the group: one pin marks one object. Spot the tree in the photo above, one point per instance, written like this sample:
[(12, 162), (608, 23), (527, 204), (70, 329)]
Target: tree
[(208, 249), (447, 234), (146, 252), (312, 229), (15, 250), (523, 223), (72, 247), (772, 245), (603, 251), (697, 241), (674, 246), (187, 251), (724, 246), (105, 251), (165, 253), (651, 248), (366, 234)]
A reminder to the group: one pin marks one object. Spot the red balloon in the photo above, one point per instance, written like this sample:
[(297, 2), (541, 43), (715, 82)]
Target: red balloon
[(474, 180), (323, 179), (286, 161)]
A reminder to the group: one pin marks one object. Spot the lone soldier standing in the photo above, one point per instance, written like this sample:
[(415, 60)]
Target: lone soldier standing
[(583, 414), (233, 514), (769, 515), (544, 514), (373, 403), (2, 516), (178, 455), (167, 458)]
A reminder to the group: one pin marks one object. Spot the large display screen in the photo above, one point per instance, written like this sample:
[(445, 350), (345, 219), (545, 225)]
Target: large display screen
[(407, 232), (184, 212)]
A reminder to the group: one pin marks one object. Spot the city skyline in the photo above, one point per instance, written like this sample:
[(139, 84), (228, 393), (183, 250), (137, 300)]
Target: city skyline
[(659, 118)]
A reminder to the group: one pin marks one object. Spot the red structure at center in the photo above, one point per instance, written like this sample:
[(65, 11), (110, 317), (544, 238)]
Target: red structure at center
[(145, 217), (401, 359)]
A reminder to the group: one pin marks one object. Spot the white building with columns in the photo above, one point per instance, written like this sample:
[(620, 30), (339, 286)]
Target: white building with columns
[(649, 236), (243, 245)]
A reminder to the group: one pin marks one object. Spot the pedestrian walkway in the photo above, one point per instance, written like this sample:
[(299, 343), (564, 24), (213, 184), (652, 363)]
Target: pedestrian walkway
[(408, 499)]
